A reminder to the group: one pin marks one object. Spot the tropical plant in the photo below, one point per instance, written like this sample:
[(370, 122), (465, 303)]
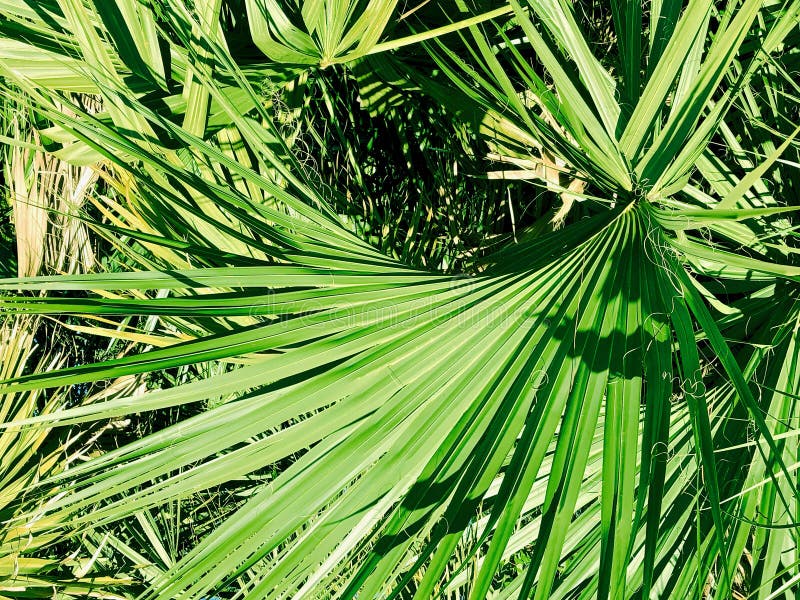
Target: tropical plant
[(36, 559), (603, 406)]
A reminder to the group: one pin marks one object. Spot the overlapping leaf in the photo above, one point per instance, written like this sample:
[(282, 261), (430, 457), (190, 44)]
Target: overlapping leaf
[(564, 405)]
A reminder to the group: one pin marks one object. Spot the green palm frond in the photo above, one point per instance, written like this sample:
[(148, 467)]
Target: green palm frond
[(560, 421)]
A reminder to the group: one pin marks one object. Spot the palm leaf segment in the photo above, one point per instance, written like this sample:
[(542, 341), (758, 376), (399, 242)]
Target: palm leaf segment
[(331, 29), (555, 402)]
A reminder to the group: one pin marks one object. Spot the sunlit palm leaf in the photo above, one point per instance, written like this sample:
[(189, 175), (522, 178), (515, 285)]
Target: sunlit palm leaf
[(431, 423)]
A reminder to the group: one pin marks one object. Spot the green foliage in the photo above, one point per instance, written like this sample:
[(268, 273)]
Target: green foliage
[(8, 249), (505, 306)]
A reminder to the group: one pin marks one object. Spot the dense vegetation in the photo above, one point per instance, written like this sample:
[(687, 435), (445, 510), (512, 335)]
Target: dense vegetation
[(375, 299)]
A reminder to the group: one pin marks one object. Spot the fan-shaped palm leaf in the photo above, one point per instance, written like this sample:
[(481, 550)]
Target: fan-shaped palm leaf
[(557, 397)]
